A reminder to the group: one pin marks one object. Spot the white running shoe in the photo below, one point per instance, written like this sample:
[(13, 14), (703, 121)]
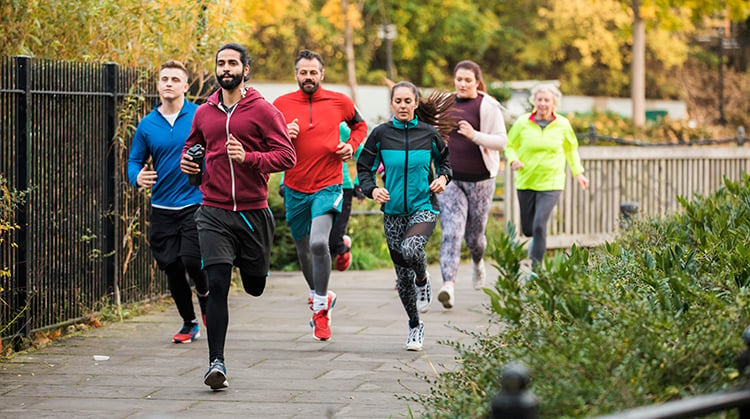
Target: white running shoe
[(446, 296), (479, 275), (424, 295), (415, 338)]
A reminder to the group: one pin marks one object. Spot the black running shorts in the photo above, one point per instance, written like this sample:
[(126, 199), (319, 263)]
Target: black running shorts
[(241, 238), (173, 234)]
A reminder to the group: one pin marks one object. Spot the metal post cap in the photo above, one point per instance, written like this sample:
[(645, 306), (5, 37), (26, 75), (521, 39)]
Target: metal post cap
[(515, 377)]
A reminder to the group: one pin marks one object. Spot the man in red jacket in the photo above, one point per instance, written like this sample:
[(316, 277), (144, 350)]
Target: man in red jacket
[(245, 138), (313, 193)]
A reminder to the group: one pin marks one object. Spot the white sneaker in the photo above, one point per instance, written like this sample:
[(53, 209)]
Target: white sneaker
[(479, 275), (424, 296), (415, 338), (446, 296), (525, 272)]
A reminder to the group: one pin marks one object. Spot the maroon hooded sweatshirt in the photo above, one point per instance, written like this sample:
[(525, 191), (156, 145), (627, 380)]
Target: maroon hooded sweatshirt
[(261, 129)]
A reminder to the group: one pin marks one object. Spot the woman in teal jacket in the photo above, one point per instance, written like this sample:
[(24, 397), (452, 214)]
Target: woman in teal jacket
[(539, 144), (409, 150)]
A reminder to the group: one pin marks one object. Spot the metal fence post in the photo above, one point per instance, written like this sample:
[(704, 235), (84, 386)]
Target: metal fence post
[(514, 400), (592, 134), (21, 272), (111, 73), (741, 135)]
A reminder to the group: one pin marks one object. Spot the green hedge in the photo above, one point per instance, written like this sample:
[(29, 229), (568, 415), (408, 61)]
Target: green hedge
[(655, 315)]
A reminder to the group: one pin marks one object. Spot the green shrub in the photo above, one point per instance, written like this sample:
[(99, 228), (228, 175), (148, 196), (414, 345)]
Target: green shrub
[(653, 316), (662, 131)]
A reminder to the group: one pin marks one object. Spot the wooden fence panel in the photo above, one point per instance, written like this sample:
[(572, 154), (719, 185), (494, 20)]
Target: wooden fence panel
[(652, 176)]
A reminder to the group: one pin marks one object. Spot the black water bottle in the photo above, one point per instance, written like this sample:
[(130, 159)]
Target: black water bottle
[(197, 154)]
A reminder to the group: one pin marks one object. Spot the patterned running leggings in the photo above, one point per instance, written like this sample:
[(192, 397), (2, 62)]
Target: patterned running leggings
[(406, 237), (464, 210)]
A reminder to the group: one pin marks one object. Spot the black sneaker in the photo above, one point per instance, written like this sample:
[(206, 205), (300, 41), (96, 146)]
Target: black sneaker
[(216, 376)]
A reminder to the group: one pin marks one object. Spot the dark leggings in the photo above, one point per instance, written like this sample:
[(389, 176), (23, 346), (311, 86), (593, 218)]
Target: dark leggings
[(336, 239), (407, 238), (536, 208), (217, 309), (179, 286)]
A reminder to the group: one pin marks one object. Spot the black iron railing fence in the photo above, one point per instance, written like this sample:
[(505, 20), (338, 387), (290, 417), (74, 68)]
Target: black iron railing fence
[(61, 139)]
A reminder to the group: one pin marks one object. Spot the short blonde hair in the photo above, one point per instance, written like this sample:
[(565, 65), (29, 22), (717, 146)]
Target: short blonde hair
[(178, 65), (548, 88)]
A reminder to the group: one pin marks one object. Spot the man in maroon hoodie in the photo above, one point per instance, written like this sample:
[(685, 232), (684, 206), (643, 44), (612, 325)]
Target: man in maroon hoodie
[(245, 138)]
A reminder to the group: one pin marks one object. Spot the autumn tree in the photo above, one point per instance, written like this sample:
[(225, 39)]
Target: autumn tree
[(129, 32), (675, 16)]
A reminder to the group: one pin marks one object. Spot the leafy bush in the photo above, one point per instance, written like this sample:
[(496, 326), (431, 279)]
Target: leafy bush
[(663, 131), (10, 200), (653, 316)]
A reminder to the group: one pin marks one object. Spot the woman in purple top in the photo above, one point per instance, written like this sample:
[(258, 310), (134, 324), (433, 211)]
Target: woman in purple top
[(474, 146)]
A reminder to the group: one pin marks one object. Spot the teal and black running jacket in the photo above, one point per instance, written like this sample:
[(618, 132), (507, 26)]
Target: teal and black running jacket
[(410, 153)]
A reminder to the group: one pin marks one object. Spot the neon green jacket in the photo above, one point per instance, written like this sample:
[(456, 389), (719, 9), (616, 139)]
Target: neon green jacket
[(543, 153)]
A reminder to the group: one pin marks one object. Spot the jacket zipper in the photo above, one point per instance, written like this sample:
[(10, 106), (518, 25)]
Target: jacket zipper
[(406, 168), (231, 165), (311, 110)]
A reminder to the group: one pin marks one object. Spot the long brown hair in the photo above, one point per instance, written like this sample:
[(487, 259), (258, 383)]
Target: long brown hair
[(435, 109), (473, 67)]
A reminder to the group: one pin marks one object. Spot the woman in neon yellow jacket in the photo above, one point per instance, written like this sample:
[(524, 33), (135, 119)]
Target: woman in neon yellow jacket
[(539, 145)]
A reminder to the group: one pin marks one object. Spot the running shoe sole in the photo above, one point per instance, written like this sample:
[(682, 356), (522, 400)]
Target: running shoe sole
[(445, 299), (216, 380)]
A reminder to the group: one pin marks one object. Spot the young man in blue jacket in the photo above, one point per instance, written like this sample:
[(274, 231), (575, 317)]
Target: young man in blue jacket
[(160, 136)]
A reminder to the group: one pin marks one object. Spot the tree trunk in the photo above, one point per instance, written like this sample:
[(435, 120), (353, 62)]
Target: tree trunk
[(349, 49), (638, 67)]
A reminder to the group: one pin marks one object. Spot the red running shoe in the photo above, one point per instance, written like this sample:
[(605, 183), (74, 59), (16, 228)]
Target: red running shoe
[(344, 260), (187, 334), (321, 321), (321, 325)]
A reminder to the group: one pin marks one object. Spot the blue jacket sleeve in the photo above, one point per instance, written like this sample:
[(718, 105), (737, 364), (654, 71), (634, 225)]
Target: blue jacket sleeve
[(139, 154)]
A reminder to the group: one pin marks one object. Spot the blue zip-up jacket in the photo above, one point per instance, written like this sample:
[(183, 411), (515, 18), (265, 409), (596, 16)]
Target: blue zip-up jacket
[(408, 153), (155, 137)]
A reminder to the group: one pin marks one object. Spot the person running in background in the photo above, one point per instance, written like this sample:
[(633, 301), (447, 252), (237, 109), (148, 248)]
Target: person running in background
[(339, 243), (539, 144), (245, 138), (475, 145), (313, 194), (409, 149), (173, 236)]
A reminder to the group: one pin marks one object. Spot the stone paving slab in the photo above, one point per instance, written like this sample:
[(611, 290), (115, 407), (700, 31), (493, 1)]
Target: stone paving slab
[(275, 368)]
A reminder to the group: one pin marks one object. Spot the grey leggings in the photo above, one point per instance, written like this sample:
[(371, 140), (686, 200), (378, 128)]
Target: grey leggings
[(406, 237), (313, 255), (464, 209), (536, 208)]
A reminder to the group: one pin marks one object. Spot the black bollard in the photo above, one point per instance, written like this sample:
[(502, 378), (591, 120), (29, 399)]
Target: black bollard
[(628, 210), (515, 401), (743, 360)]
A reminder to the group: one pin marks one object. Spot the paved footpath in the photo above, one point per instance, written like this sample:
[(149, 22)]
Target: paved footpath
[(275, 368)]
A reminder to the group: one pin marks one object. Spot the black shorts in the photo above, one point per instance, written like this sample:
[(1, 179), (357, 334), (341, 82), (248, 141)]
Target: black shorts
[(241, 238), (173, 235)]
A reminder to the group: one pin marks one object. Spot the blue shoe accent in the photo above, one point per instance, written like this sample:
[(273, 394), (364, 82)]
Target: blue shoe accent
[(188, 333)]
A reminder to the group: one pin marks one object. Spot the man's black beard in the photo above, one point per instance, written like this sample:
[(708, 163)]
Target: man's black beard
[(308, 90), (231, 84)]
